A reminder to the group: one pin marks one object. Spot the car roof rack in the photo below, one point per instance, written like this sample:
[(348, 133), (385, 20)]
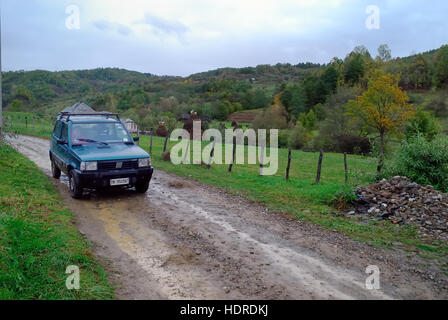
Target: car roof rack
[(67, 115)]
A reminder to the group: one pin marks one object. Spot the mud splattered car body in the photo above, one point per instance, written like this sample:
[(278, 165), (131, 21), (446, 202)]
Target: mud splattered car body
[(97, 152)]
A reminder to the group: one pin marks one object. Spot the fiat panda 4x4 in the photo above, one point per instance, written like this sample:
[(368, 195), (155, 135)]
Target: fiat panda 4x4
[(96, 151)]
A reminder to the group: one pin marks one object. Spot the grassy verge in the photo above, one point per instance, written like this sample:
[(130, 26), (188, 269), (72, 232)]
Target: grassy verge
[(38, 239), (300, 197)]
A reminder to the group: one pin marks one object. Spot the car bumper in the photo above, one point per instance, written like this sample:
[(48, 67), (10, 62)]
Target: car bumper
[(101, 179)]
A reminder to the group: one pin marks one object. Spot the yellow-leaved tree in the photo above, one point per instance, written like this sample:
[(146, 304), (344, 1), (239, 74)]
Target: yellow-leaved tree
[(383, 106)]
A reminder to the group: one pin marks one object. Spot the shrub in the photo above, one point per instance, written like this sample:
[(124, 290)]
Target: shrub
[(423, 123), (308, 120), (272, 118), (283, 137), (299, 136), (353, 144), (422, 161)]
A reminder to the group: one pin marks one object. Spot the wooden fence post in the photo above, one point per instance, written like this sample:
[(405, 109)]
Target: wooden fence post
[(345, 167), (166, 142), (211, 155), (150, 142), (187, 153), (138, 136), (233, 154), (319, 167), (26, 122), (262, 159), (289, 164), (34, 123)]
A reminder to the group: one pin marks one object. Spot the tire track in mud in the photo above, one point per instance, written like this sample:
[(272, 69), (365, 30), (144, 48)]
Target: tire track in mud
[(183, 240)]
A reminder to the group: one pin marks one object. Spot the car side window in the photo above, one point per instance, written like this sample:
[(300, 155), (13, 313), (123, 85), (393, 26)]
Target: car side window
[(57, 129), (64, 132)]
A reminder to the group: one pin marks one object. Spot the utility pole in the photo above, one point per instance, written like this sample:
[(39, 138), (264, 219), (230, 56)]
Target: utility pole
[(1, 79)]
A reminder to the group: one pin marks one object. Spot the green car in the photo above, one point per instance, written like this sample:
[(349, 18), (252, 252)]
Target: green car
[(96, 152)]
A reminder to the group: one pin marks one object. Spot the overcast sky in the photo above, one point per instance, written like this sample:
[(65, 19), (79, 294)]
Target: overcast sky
[(181, 37)]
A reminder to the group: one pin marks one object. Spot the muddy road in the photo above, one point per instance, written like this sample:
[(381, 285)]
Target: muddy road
[(185, 240)]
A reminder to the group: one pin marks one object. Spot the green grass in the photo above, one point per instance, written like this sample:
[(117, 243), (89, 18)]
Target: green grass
[(300, 197), (38, 239), (21, 122)]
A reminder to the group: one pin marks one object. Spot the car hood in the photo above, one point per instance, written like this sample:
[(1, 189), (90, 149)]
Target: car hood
[(119, 151)]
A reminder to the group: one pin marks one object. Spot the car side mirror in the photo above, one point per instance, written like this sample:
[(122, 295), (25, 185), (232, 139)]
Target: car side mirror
[(136, 139), (61, 141)]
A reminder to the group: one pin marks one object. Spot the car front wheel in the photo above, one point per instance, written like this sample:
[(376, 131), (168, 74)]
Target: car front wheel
[(142, 187), (55, 171), (75, 189)]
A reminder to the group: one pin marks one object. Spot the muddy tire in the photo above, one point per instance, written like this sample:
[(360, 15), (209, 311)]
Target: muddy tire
[(75, 189), (55, 171), (142, 187)]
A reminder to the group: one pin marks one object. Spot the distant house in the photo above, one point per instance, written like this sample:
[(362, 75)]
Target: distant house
[(193, 115), (184, 117), (130, 125), (79, 107)]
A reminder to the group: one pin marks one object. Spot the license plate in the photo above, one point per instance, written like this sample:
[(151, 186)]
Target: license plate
[(119, 182)]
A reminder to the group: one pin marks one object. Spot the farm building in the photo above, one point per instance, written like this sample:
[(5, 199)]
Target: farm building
[(130, 125)]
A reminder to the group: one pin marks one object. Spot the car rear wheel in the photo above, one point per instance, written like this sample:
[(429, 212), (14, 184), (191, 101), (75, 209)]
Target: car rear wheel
[(55, 171), (142, 187), (75, 189)]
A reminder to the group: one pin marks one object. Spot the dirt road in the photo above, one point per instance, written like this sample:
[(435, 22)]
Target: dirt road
[(185, 240)]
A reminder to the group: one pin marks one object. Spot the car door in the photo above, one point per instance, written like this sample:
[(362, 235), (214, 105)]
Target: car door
[(56, 135), (59, 150), (64, 148)]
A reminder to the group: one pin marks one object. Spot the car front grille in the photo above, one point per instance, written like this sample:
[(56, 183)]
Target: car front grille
[(112, 165)]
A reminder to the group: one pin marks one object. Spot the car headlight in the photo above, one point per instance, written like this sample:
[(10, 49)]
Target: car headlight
[(145, 162), (89, 166)]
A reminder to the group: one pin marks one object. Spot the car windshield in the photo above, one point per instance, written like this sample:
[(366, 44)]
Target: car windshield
[(104, 133)]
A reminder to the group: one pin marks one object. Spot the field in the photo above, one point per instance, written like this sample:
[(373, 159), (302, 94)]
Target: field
[(299, 197), (38, 239)]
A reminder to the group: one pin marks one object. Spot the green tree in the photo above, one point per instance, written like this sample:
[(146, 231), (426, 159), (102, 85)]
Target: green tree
[(354, 69), (441, 68), (384, 53), (299, 136), (308, 120), (294, 100), (419, 73), (330, 79), (16, 106), (222, 110), (383, 107)]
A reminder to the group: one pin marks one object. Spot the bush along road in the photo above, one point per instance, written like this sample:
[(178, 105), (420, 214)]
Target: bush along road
[(186, 240)]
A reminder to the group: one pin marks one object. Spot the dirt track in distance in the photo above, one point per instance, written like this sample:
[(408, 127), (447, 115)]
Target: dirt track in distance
[(186, 240)]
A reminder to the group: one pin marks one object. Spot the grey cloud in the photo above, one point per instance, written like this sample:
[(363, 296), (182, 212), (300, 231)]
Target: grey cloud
[(164, 25), (107, 26), (35, 37)]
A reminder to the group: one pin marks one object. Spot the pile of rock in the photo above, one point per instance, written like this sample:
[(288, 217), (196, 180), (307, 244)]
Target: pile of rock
[(405, 202)]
